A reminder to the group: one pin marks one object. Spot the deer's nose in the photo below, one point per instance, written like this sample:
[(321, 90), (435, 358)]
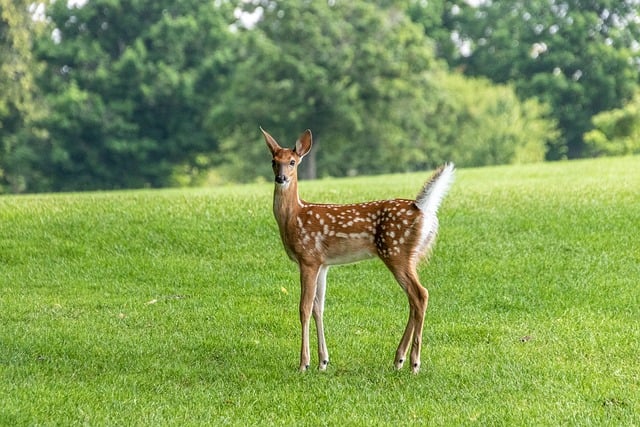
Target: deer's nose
[(281, 179)]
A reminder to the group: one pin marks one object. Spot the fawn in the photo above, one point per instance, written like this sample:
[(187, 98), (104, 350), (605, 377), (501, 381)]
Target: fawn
[(316, 236)]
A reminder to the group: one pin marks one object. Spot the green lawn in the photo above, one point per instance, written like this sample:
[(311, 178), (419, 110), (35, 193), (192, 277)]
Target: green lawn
[(179, 307)]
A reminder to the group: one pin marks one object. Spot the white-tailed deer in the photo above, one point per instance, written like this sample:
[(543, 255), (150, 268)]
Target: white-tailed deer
[(317, 236)]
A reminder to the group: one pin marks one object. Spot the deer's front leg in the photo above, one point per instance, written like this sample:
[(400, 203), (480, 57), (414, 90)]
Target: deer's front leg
[(318, 311), (308, 278)]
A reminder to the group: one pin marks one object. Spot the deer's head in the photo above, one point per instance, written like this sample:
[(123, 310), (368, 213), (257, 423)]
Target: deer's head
[(285, 161)]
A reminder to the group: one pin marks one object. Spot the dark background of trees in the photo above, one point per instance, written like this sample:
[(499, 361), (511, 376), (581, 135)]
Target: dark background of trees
[(139, 93)]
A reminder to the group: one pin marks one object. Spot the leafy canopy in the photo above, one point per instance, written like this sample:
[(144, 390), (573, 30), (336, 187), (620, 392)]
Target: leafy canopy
[(129, 84), (579, 57)]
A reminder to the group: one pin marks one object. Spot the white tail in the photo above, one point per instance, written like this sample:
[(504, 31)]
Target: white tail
[(316, 236)]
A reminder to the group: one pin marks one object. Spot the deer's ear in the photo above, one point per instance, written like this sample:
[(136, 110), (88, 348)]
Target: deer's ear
[(303, 144), (271, 142)]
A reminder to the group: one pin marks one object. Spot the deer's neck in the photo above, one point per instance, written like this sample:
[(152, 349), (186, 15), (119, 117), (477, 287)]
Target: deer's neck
[(286, 204)]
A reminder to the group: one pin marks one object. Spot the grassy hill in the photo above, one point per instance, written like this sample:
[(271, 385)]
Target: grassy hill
[(179, 307)]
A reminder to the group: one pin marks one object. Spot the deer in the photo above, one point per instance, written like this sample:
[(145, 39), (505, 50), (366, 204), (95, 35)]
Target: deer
[(317, 236)]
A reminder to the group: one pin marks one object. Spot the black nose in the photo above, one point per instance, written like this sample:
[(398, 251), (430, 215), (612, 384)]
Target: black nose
[(281, 179)]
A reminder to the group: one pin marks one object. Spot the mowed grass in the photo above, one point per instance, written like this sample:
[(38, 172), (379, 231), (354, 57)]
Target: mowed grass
[(179, 307)]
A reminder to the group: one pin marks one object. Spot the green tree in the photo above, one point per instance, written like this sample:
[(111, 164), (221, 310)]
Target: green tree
[(579, 57), (129, 83), (340, 69), (363, 77), (19, 101), (481, 124), (616, 132)]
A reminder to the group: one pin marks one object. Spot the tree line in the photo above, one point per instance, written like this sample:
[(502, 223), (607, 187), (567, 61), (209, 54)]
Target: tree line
[(108, 94)]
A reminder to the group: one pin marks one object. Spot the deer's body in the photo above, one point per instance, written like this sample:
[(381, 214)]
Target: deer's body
[(341, 234), (316, 236)]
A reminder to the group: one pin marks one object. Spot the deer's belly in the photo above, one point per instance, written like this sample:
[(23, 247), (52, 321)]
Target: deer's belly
[(350, 248)]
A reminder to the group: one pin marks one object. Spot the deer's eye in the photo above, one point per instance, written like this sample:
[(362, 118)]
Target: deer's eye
[(292, 163), (273, 163)]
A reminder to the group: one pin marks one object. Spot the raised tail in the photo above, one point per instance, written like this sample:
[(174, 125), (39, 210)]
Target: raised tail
[(434, 190)]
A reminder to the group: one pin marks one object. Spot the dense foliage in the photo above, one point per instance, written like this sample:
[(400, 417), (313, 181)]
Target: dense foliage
[(129, 84), (616, 132), (138, 93), (580, 57), (19, 103)]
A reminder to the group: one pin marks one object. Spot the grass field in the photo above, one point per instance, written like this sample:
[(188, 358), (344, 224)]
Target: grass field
[(179, 307)]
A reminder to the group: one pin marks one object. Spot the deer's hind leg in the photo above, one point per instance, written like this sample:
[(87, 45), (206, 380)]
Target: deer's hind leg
[(418, 298)]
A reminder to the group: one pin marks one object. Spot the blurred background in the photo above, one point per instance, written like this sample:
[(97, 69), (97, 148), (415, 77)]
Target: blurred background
[(114, 94)]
